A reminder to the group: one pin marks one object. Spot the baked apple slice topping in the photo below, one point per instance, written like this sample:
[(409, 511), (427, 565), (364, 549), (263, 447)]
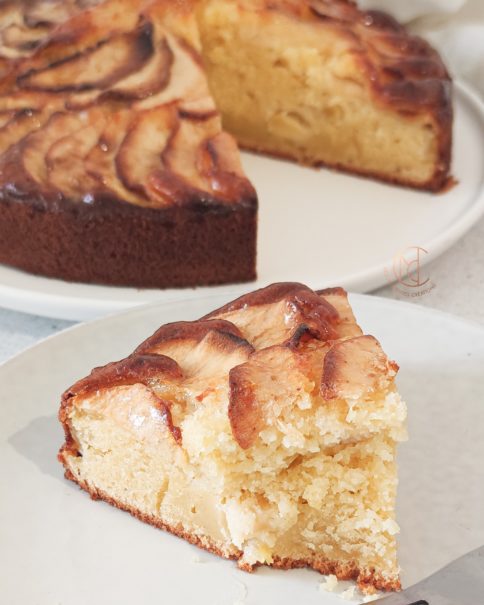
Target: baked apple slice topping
[(100, 163), (65, 160), (132, 373), (284, 308), (141, 151), (114, 105), (258, 396), (356, 368), (95, 68), (203, 349)]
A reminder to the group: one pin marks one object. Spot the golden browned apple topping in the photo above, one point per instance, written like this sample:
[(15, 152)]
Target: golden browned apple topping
[(271, 349), (110, 101)]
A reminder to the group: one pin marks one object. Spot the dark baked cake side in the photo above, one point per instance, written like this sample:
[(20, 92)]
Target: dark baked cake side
[(120, 244)]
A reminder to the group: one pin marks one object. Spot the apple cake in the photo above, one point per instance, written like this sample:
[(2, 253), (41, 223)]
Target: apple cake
[(265, 432), (114, 167)]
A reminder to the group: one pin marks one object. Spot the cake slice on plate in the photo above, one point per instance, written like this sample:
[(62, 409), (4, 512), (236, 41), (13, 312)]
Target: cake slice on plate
[(264, 432), (114, 167)]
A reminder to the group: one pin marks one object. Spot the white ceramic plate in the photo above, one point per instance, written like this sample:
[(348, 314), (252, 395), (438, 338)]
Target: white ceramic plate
[(318, 226), (57, 547)]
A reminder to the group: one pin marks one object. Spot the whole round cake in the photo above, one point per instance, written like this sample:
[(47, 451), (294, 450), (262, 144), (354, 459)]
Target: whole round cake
[(119, 120)]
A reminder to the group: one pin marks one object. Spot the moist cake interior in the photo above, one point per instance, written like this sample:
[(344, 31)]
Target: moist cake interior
[(324, 83)]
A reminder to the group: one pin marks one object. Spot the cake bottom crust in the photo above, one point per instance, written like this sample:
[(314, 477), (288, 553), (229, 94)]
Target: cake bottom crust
[(440, 182), (368, 580)]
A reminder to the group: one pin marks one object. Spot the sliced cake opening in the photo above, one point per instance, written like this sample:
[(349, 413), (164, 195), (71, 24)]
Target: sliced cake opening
[(324, 83), (265, 432)]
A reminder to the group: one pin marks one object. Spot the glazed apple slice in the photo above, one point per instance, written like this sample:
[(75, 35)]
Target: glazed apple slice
[(151, 79), (182, 151), (140, 153), (258, 396), (83, 32), (100, 163), (281, 313), (20, 124), (135, 378), (203, 348), (24, 167), (356, 368), (20, 40), (96, 68), (65, 158), (187, 84), (218, 161), (36, 145), (346, 325)]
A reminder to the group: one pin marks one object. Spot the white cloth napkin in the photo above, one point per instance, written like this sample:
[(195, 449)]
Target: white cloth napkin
[(454, 27)]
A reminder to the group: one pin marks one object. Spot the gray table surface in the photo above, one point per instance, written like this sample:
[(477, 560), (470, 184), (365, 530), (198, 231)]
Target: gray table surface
[(458, 276)]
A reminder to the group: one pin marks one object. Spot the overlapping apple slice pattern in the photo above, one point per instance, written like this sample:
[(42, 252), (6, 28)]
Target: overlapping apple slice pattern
[(115, 105), (242, 350), (25, 24)]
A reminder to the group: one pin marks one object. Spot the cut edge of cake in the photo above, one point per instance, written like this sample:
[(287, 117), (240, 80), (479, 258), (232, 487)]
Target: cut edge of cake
[(331, 85)]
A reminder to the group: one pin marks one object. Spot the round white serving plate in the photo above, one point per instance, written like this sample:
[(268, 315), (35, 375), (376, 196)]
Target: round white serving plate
[(315, 226), (58, 547)]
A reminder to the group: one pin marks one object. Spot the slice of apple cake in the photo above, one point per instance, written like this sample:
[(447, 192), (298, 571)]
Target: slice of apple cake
[(264, 432)]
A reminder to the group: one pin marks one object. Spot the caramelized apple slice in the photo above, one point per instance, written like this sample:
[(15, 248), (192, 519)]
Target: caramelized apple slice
[(28, 100), (205, 349), (346, 325), (100, 163), (149, 80), (24, 168), (140, 153), (136, 368), (83, 32), (20, 40), (137, 375), (20, 124), (356, 368), (36, 145), (65, 159), (152, 78), (187, 82), (258, 395), (181, 154), (96, 68), (219, 162), (284, 308)]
